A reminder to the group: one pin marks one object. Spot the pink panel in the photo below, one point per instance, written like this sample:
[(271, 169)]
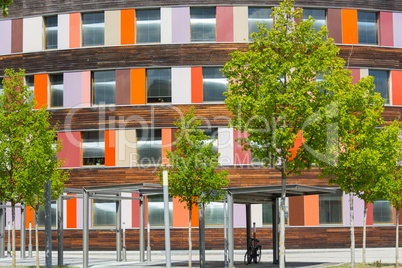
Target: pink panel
[(240, 157), (224, 24), (86, 89), (71, 152), (239, 215), (355, 75), (386, 29)]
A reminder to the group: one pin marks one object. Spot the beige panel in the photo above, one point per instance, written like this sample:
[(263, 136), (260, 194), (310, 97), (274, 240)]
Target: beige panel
[(364, 73), (126, 147), (240, 24), (112, 27)]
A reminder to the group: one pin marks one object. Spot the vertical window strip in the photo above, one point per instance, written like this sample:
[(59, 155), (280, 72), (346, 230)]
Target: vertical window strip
[(259, 15), (56, 90), (214, 84), (149, 146), (203, 24), (148, 26), (104, 87), (381, 82), (51, 26), (93, 148), (159, 85), (93, 29), (367, 28), (318, 15)]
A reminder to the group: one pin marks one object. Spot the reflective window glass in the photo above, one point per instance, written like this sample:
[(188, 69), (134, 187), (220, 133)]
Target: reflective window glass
[(318, 15), (148, 26), (203, 24), (104, 87), (30, 83), (266, 213), (214, 213), (214, 84), (367, 27), (56, 90), (93, 29), (104, 213), (51, 32), (382, 212), (41, 215), (156, 210), (213, 138), (330, 208), (159, 85), (381, 83), (93, 147), (149, 146), (259, 15)]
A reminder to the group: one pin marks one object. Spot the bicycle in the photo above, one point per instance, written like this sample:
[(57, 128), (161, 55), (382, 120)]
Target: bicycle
[(253, 252)]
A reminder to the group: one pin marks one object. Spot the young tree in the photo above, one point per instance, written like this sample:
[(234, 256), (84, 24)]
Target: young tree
[(274, 91), (28, 148), (192, 170), (5, 4)]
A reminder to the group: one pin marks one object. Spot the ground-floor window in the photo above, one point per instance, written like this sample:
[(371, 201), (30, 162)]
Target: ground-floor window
[(267, 212), (330, 206), (41, 215), (156, 210), (382, 212), (104, 213), (214, 214)]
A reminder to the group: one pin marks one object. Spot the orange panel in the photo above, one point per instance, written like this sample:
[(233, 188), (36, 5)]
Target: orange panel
[(127, 17), (194, 216), (72, 213), (40, 90), (110, 148), (311, 210), (138, 86), (396, 87), (180, 213), (166, 144), (196, 85), (29, 216), (349, 26), (75, 30), (298, 143)]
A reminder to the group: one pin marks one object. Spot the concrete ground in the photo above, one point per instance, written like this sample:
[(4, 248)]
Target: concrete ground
[(214, 258)]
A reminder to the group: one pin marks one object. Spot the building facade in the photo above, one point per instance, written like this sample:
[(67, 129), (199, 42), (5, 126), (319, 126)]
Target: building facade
[(116, 75)]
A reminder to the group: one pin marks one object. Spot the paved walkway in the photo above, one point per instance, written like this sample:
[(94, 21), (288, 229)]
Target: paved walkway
[(214, 258)]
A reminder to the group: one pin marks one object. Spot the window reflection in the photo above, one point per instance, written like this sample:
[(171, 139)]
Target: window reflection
[(214, 84), (382, 212), (259, 15), (149, 146), (367, 27), (203, 24), (318, 15), (381, 83), (93, 147), (148, 26), (159, 85), (104, 87), (330, 208), (93, 29), (104, 213), (156, 210), (51, 32), (56, 90)]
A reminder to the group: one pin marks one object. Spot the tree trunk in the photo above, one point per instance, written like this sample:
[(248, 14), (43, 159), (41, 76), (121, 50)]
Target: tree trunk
[(397, 240), (13, 234), (364, 234), (190, 245), (36, 239), (282, 223), (352, 232)]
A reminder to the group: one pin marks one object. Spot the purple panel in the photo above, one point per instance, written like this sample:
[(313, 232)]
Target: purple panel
[(80, 215), (5, 33), (358, 207), (17, 218), (72, 88), (239, 215), (180, 24), (397, 18)]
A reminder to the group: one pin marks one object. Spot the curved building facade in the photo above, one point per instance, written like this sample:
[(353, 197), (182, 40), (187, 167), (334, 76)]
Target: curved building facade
[(116, 75)]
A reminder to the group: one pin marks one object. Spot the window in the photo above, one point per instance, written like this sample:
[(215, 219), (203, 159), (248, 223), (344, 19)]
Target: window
[(149, 146), (30, 83), (104, 213), (93, 29), (203, 24), (267, 212), (1, 85), (51, 32), (156, 210), (41, 215), (330, 208), (259, 15), (93, 148), (214, 84), (214, 213), (148, 26), (159, 85), (318, 15), (367, 28), (103, 87), (381, 83), (382, 212), (213, 138), (56, 90)]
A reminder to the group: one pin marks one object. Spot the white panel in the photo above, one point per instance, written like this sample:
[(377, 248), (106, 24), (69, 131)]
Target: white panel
[(32, 34), (166, 25), (112, 27), (240, 23), (126, 211), (64, 214), (63, 33), (225, 146), (364, 73), (256, 215), (181, 85)]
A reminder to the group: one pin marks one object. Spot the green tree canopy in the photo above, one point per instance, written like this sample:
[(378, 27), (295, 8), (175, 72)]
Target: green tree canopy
[(5, 4)]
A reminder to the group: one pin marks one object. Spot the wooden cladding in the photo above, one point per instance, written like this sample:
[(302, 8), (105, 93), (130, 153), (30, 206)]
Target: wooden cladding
[(171, 55)]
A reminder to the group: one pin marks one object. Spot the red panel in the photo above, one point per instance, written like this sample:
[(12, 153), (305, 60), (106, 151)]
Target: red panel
[(240, 157), (386, 29), (135, 212), (355, 75), (224, 24), (196, 85), (72, 213), (334, 22), (123, 87), (71, 152), (396, 87), (369, 214), (110, 148)]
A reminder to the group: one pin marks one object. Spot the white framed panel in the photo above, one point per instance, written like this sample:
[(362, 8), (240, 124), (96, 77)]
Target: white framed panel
[(364, 73), (32, 34), (63, 33), (166, 25), (256, 215), (181, 85), (112, 27), (126, 208), (240, 23), (225, 146)]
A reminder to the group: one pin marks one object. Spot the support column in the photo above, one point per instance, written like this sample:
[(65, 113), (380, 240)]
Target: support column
[(225, 238), (230, 232), (275, 234), (248, 225), (118, 230), (60, 244), (142, 239), (22, 231), (2, 228), (48, 224), (166, 217), (201, 234), (85, 234)]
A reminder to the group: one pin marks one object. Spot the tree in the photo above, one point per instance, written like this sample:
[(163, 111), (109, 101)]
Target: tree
[(274, 93), (28, 147), (5, 4), (192, 171)]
